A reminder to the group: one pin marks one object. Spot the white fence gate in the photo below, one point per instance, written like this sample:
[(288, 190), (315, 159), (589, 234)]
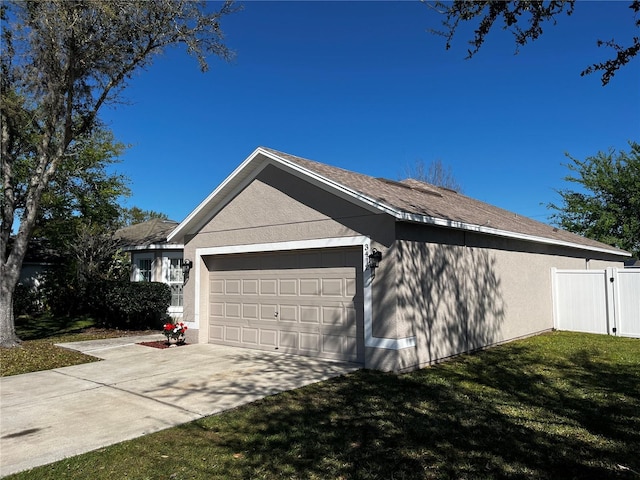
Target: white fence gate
[(597, 301)]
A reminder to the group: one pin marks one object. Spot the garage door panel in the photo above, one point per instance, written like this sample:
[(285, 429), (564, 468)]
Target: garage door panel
[(289, 286), (350, 287), (332, 287), (250, 287), (309, 314), (232, 310), (310, 342), (333, 344), (216, 310), (232, 334), (313, 309), (334, 315), (232, 287), (268, 337), (268, 312), (289, 340), (216, 333), (250, 335), (269, 287), (288, 313), (309, 287), (250, 311), (216, 287)]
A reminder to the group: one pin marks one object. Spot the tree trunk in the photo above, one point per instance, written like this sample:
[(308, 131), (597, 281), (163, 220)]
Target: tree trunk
[(8, 337)]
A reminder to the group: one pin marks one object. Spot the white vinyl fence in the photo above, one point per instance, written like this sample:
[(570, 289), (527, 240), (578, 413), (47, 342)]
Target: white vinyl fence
[(597, 301)]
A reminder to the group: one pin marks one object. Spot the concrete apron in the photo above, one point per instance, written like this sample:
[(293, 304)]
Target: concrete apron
[(51, 415)]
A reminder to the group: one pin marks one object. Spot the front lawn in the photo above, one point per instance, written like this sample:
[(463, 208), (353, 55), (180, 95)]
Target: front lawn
[(38, 351), (556, 406)]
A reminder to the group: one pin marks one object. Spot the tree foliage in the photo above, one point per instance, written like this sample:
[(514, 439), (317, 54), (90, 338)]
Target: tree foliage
[(135, 215), (83, 192), (88, 254), (607, 205), (435, 174), (525, 19), (60, 63)]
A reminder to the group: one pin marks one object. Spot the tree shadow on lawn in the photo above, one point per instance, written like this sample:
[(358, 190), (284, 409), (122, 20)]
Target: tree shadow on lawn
[(47, 325), (488, 415)]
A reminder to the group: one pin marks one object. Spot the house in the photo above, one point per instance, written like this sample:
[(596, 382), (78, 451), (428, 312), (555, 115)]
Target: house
[(38, 260), (296, 256), (154, 258)]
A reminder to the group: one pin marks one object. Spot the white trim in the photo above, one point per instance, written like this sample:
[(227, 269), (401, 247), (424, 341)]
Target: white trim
[(155, 246), (408, 217), (363, 241), (281, 246), (243, 174), (195, 213)]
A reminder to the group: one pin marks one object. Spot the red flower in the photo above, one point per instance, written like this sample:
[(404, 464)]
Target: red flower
[(168, 326)]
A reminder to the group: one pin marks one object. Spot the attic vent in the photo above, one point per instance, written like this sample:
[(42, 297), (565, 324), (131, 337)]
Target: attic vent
[(427, 191), (411, 186), (394, 183)]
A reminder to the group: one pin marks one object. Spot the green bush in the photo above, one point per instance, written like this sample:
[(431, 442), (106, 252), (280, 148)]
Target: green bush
[(28, 300), (129, 305)]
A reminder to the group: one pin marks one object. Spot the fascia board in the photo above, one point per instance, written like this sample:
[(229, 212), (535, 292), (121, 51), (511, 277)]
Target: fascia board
[(200, 214), (407, 217), (246, 172), (242, 175), (154, 246), (336, 188)]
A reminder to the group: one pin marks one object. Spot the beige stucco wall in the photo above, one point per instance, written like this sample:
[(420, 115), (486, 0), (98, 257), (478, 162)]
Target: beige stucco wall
[(458, 291), (453, 291), (278, 207)]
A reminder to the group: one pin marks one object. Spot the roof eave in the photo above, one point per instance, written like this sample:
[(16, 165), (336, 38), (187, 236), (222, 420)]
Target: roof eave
[(248, 170), (441, 222), (153, 246), (245, 172)]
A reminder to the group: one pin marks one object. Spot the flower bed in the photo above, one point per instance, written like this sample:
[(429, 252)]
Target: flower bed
[(159, 344)]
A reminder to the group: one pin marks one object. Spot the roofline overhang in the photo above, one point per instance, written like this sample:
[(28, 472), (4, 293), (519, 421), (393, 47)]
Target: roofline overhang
[(154, 246), (440, 222), (237, 181)]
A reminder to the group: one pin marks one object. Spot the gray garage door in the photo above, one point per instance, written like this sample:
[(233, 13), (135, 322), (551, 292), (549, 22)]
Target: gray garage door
[(305, 302)]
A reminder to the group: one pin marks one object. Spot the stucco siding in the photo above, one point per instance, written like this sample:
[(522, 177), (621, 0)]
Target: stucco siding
[(276, 207), (462, 291)]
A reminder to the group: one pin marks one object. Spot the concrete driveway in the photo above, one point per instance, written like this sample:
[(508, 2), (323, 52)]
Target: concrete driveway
[(136, 390)]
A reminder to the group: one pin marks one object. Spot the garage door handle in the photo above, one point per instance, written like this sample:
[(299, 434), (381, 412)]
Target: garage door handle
[(275, 314)]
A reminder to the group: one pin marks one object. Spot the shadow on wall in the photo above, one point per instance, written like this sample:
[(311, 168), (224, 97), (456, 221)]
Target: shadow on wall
[(451, 297)]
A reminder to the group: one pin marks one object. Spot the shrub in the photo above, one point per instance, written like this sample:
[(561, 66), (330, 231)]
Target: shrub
[(129, 305), (28, 300)]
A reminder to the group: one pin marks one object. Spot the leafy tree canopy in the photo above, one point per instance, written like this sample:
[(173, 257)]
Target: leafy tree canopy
[(525, 19), (607, 206), (60, 63), (134, 215), (83, 191)]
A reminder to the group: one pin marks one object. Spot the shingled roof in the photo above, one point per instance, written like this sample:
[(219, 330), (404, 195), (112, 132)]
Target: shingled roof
[(408, 200), (152, 232)]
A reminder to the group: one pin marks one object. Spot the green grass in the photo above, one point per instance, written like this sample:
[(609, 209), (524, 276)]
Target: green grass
[(556, 406), (38, 352)]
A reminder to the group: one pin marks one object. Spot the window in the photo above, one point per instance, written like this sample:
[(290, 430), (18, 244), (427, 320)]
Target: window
[(144, 270), (176, 281)]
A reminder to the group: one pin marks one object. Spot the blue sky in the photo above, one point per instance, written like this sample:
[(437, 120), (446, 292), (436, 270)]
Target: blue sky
[(364, 86)]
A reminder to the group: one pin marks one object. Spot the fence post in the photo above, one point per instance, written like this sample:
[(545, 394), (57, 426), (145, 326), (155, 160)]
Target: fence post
[(554, 296), (610, 287)]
